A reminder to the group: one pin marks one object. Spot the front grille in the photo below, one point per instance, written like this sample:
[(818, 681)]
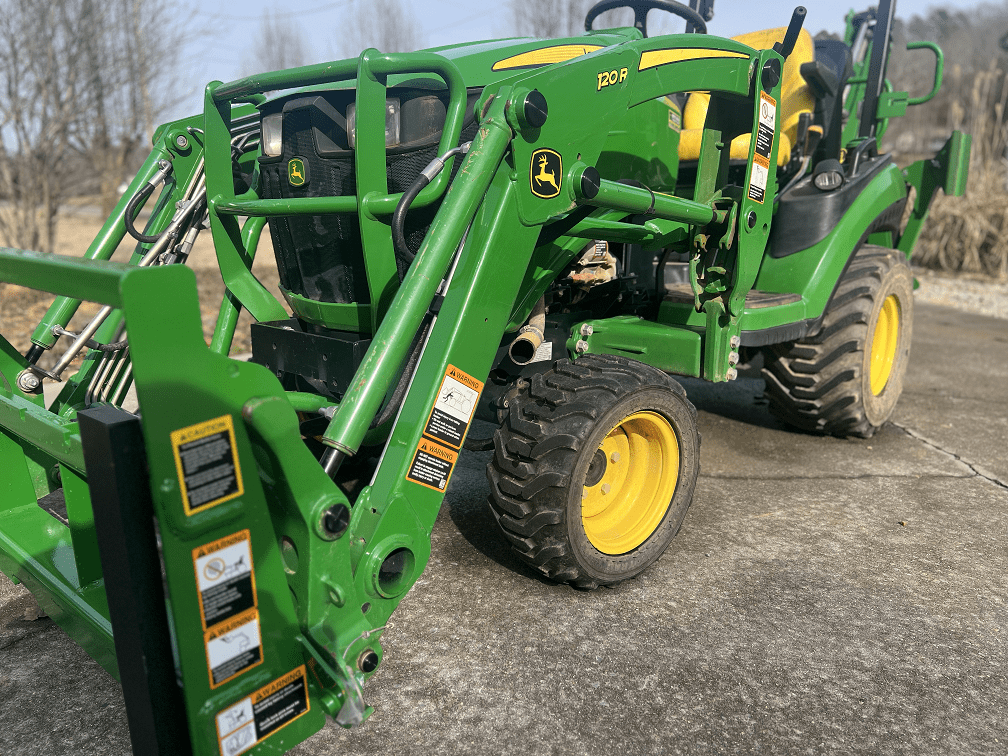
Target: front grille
[(321, 257)]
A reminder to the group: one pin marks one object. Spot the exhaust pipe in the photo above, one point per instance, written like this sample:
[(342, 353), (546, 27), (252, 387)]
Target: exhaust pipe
[(531, 336)]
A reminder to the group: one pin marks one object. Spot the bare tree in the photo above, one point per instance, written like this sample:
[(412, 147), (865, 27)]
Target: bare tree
[(81, 84), (277, 46), (383, 24), (549, 19), (40, 72)]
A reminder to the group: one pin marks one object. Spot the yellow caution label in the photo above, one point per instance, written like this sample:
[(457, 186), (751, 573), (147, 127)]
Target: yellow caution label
[(206, 459)]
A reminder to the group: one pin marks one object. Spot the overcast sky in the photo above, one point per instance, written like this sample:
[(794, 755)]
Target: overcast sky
[(221, 53)]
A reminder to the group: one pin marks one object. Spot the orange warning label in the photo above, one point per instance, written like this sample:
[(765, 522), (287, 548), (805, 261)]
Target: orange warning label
[(453, 408), (256, 717), (224, 577), (233, 647), (432, 465)]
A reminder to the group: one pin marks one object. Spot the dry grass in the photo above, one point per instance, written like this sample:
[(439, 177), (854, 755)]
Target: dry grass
[(21, 309), (969, 234)]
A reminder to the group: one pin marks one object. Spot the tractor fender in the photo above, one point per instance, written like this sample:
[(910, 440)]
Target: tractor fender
[(814, 271)]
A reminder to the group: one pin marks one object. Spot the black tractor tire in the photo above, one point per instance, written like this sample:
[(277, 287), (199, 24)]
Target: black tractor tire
[(549, 460), (838, 381)]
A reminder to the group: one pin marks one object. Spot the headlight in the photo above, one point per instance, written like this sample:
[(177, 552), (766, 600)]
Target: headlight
[(391, 123), (272, 135)]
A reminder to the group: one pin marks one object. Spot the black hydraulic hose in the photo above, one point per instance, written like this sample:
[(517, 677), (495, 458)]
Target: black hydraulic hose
[(392, 405), (402, 250), (139, 198)]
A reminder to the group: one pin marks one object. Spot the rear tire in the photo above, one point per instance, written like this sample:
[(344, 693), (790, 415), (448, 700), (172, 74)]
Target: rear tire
[(594, 469), (846, 379)]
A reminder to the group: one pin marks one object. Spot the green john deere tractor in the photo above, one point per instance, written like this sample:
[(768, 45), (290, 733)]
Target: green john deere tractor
[(456, 240)]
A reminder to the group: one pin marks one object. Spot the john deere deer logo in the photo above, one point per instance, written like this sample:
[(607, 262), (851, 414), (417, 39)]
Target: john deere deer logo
[(297, 175), (546, 173)]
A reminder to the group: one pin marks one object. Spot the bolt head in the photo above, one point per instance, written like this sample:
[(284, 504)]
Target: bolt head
[(734, 342), (733, 358), (181, 141), (606, 488), (732, 374), (587, 330), (581, 347), (29, 382), (614, 458)]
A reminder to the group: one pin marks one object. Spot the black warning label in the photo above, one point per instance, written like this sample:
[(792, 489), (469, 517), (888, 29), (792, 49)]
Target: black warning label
[(432, 465), (250, 720), (206, 459), (233, 647), (764, 147), (453, 409), (225, 578)]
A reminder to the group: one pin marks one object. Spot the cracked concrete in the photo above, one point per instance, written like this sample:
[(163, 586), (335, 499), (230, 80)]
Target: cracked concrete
[(824, 595)]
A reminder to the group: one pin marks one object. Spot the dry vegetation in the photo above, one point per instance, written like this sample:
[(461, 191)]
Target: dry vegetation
[(964, 234)]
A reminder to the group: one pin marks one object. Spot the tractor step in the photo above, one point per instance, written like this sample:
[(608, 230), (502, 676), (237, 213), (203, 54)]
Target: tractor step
[(55, 504), (681, 293)]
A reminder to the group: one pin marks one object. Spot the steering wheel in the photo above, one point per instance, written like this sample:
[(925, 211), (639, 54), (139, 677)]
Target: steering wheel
[(641, 8)]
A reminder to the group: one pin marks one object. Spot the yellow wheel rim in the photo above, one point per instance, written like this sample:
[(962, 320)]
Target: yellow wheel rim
[(622, 509), (884, 343)]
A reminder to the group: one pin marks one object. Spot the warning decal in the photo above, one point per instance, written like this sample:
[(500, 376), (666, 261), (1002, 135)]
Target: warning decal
[(233, 647), (254, 718), (453, 408), (224, 578), (206, 458), (764, 146), (432, 465)]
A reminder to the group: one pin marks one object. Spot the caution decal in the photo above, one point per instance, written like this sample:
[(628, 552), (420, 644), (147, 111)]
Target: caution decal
[(764, 147), (225, 578), (206, 458), (256, 717), (432, 465)]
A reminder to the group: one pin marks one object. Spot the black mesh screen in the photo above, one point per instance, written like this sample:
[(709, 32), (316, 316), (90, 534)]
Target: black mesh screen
[(321, 257)]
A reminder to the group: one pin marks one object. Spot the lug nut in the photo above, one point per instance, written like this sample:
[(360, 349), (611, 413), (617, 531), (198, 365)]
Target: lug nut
[(733, 358), (615, 457), (606, 488), (336, 520), (581, 347), (368, 662), (732, 374), (586, 329), (734, 342)]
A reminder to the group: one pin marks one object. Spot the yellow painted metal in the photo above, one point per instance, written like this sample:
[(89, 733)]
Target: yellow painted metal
[(544, 56), (654, 58), (623, 509), (884, 343)]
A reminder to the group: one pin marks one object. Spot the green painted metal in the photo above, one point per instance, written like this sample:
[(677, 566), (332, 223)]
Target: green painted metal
[(674, 350), (494, 249), (946, 171)]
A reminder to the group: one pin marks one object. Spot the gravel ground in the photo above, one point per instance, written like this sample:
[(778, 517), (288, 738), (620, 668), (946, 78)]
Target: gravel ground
[(966, 293)]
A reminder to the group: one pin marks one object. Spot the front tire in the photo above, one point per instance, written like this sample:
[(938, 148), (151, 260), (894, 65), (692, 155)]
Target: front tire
[(594, 469), (846, 379)]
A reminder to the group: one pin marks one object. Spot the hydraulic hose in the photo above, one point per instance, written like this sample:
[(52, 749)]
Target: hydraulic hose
[(139, 198), (428, 174)]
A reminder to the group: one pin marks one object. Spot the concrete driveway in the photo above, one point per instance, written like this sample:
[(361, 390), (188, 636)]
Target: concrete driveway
[(823, 596)]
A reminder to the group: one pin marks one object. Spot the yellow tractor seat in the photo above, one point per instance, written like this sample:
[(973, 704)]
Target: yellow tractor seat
[(796, 98)]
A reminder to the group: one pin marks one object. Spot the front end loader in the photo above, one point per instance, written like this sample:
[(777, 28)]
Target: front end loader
[(537, 234)]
